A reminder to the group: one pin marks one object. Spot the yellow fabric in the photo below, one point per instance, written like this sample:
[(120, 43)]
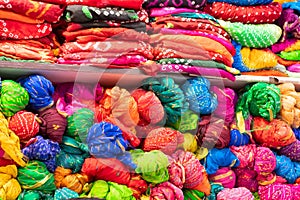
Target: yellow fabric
[(9, 186), (294, 47), (201, 153), (240, 122), (10, 142), (256, 59), (284, 1), (190, 143)]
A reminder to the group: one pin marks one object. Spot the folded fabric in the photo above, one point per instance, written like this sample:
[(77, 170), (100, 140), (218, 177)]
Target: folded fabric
[(252, 35), (181, 4), (282, 46), (10, 15), (246, 14), (243, 2), (163, 11), (35, 10), (8, 181), (279, 191), (240, 193), (291, 55), (225, 176), (166, 191)]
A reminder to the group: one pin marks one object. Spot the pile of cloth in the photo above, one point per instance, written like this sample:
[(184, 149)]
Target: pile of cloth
[(26, 31)]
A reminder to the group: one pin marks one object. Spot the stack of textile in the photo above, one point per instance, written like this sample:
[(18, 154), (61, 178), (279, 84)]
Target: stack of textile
[(107, 35), (251, 26), (187, 40), (26, 30)]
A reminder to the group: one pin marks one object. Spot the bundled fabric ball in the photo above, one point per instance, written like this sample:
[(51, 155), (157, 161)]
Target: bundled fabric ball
[(193, 194), (35, 176), (274, 134), (265, 161), (215, 189), (164, 139), (9, 186), (252, 35), (247, 178), (188, 122), (43, 150), (197, 93), (72, 154), (150, 109), (238, 139), (287, 169), (246, 155), (34, 194), (291, 151), (65, 178), (190, 143), (65, 193), (13, 98), (105, 140), (184, 170), (170, 95), (279, 191), (225, 176), (53, 124), (240, 193), (243, 2), (40, 91), (79, 124), (153, 165), (119, 108), (166, 191), (213, 132), (24, 124)]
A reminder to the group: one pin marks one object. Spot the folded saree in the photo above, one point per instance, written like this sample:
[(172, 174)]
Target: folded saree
[(4, 14), (158, 12)]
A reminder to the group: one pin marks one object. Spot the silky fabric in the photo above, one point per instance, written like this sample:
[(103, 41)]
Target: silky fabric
[(190, 143), (291, 151), (40, 91), (247, 178), (43, 150), (225, 176), (279, 191), (8, 181), (287, 169), (187, 123), (165, 191), (18, 17), (181, 4), (246, 155), (117, 191), (215, 189), (238, 139), (65, 193), (235, 194), (34, 195), (193, 194)]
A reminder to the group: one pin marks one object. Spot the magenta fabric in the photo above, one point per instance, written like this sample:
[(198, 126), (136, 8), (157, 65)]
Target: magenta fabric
[(240, 193), (246, 155), (292, 151), (279, 191), (166, 191), (246, 177), (281, 46), (225, 176), (265, 160), (158, 12), (294, 68)]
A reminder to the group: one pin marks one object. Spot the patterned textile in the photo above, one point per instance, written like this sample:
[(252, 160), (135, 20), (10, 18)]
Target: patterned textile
[(291, 151), (246, 155), (279, 191), (235, 194), (243, 2), (225, 176), (287, 169), (187, 123), (247, 178), (9, 186), (163, 11), (181, 4), (64, 193), (34, 195), (5, 14), (290, 23), (166, 191)]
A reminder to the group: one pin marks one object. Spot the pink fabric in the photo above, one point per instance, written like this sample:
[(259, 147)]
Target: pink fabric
[(294, 68), (166, 191), (281, 46), (240, 193), (279, 191), (225, 176), (265, 160), (246, 155), (158, 12), (246, 177)]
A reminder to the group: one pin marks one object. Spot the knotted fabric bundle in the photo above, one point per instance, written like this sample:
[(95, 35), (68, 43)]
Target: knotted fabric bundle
[(193, 194), (225, 176), (238, 139), (153, 165), (215, 189), (34, 194), (35, 176), (13, 98), (188, 122), (72, 154), (190, 143), (79, 124), (43, 150), (9, 186), (40, 91), (184, 170), (247, 178), (292, 151), (105, 140), (279, 191), (240, 193), (170, 95), (65, 178), (164, 139), (246, 155), (53, 124), (65, 193), (119, 108), (287, 169), (197, 93), (275, 134), (166, 191), (24, 124)]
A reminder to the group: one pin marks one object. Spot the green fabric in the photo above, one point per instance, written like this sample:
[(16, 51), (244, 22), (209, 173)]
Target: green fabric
[(215, 189), (193, 194), (252, 35), (34, 195), (188, 122), (260, 99), (195, 15), (170, 95), (79, 124), (256, 196), (291, 55), (3, 58), (151, 165), (35, 176), (119, 192), (99, 189), (13, 98), (86, 12), (65, 193)]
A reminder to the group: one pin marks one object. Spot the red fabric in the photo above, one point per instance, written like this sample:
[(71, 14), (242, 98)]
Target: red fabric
[(245, 14), (39, 10), (133, 4), (18, 30)]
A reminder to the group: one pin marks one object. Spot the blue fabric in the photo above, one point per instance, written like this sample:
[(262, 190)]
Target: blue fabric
[(287, 169), (292, 5), (243, 2), (220, 158), (196, 16), (43, 150), (237, 58), (40, 91), (64, 193), (197, 93), (238, 139), (215, 189), (105, 140), (297, 133)]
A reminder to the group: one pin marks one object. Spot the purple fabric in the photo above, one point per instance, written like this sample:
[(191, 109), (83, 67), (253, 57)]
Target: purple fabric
[(281, 46), (290, 22), (292, 151), (174, 3), (294, 68), (158, 12)]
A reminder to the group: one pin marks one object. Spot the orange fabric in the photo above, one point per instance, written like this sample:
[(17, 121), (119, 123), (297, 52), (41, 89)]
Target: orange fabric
[(286, 62), (20, 18), (204, 186), (265, 73)]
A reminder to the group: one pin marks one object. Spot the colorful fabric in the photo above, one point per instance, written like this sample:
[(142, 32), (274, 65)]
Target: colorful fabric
[(287, 169), (40, 91), (276, 133), (243, 2), (72, 154), (240, 193), (34, 195), (53, 124), (79, 124), (64, 193), (290, 23), (181, 4), (193, 194), (151, 165), (9, 186), (259, 14), (246, 155), (117, 191), (184, 170), (215, 189), (163, 139), (35, 176), (43, 150), (291, 151), (13, 98), (24, 124), (190, 143), (247, 178), (105, 140), (281, 46), (163, 11), (291, 55), (165, 191), (225, 176), (265, 161), (279, 191), (253, 35), (5, 14), (187, 123), (65, 178)]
